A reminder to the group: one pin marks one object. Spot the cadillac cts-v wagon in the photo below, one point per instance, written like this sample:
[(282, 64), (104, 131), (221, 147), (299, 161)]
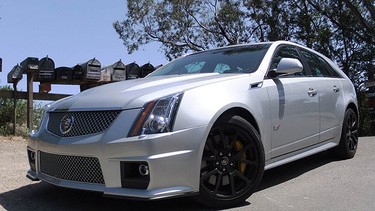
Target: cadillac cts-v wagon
[(207, 124)]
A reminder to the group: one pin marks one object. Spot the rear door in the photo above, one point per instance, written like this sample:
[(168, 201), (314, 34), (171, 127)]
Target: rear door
[(330, 94)]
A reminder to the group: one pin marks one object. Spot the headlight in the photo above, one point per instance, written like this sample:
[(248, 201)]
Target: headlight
[(157, 116)]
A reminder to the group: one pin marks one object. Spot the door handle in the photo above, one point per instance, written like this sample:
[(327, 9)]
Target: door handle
[(312, 92), (336, 89)]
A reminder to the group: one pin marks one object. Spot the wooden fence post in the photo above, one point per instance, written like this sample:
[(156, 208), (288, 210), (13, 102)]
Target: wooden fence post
[(30, 100)]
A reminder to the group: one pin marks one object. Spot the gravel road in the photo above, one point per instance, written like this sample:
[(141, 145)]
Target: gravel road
[(315, 183)]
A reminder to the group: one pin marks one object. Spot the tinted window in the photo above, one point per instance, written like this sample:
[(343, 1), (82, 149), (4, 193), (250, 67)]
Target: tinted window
[(239, 59), (318, 66), (286, 52)]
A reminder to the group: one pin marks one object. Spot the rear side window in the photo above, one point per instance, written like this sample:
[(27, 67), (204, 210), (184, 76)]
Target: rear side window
[(318, 66)]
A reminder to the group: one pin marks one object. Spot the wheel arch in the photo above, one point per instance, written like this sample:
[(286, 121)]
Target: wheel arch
[(354, 107), (238, 111)]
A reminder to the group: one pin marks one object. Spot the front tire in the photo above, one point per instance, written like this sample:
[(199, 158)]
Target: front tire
[(349, 136), (232, 164)]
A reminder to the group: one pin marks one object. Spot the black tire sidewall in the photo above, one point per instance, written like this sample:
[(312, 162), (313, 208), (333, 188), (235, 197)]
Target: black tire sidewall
[(206, 198), (343, 151)]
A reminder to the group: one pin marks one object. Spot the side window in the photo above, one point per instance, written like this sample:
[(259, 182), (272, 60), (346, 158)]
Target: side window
[(331, 70), (286, 52), (318, 66)]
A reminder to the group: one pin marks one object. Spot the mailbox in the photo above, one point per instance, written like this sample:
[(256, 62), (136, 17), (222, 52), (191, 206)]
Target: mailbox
[(105, 75), (46, 70), (30, 64), (64, 74), (78, 72), (117, 71), (90, 70), (146, 69), (132, 71), (15, 75)]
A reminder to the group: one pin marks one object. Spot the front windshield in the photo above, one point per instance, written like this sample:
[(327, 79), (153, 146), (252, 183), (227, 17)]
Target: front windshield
[(237, 59)]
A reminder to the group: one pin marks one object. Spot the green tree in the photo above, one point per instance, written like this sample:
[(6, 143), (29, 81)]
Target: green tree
[(6, 115)]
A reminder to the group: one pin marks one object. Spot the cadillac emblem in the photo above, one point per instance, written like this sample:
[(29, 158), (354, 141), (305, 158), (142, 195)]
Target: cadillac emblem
[(66, 124)]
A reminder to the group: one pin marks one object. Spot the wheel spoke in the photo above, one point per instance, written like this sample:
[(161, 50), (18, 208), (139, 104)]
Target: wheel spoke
[(223, 139), (242, 151), (353, 140), (210, 147), (205, 169), (219, 180), (249, 162), (209, 174), (208, 158), (234, 139), (232, 188), (242, 177), (353, 121)]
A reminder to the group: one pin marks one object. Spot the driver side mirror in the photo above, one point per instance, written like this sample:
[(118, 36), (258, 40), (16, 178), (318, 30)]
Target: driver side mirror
[(286, 66)]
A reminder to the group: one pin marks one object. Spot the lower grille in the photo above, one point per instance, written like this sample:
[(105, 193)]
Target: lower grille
[(74, 168)]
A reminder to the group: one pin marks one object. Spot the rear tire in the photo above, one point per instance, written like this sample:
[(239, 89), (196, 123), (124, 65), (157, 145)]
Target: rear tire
[(232, 163), (349, 136)]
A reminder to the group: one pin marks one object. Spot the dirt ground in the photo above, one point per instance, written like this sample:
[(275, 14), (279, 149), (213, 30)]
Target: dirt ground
[(318, 182)]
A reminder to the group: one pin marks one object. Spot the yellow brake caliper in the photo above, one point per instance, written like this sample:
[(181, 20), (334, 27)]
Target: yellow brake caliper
[(238, 146)]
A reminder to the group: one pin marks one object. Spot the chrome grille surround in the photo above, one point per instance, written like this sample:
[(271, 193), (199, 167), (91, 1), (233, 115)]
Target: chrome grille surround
[(85, 122), (73, 168)]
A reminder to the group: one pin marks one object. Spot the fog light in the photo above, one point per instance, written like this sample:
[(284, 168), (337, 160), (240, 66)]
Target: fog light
[(143, 170), (135, 174), (31, 156)]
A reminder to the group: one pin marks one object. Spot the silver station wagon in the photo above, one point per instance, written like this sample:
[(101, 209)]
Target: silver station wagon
[(207, 124)]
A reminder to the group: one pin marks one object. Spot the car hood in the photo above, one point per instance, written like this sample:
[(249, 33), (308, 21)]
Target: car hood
[(135, 93)]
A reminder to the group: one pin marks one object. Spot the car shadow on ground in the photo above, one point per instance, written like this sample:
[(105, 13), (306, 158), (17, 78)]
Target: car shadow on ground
[(43, 196), (294, 169)]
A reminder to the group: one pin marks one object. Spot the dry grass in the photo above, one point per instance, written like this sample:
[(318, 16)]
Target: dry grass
[(13, 138)]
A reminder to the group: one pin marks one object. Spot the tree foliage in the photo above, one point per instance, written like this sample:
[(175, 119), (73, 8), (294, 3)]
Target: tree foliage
[(343, 30), (6, 115)]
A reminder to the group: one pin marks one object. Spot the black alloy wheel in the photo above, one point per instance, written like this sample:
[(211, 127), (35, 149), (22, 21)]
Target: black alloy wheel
[(349, 136), (232, 163)]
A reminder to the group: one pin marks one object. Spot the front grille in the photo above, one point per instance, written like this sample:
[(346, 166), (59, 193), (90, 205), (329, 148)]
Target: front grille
[(73, 168), (82, 122)]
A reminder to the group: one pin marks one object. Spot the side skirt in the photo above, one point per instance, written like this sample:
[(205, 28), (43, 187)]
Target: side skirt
[(299, 154)]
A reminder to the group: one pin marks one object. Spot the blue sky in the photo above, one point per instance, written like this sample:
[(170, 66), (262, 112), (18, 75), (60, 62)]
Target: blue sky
[(69, 32)]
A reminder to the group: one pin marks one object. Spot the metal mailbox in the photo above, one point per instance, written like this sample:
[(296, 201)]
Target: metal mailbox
[(15, 75), (64, 74), (90, 70), (77, 72), (146, 69), (46, 70), (118, 71), (30, 64), (105, 75), (132, 71)]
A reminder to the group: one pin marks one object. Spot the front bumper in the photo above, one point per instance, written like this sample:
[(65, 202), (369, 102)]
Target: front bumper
[(173, 160)]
